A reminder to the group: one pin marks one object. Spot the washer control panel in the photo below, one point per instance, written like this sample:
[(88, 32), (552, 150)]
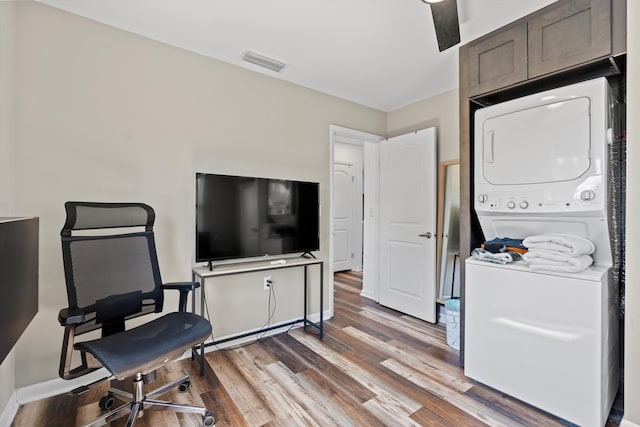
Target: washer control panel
[(585, 198)]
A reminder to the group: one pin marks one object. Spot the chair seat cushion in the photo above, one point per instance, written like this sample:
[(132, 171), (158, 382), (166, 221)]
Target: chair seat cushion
[(144, 348)]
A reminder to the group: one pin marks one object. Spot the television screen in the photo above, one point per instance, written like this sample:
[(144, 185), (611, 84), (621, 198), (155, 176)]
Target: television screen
[(241, 217)]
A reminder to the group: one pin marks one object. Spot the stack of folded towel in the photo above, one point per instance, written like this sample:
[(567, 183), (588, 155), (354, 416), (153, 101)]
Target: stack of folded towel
[(558, 252)]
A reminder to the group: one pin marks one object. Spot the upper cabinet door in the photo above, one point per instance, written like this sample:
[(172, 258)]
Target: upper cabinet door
[(498, 60), (574, 32)]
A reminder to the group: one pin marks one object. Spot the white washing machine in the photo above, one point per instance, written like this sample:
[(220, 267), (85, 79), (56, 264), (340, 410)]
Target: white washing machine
[(549, 339)]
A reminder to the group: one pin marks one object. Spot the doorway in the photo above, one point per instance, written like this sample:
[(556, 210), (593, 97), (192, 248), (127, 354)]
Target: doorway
[(362, 166), (357, 151)]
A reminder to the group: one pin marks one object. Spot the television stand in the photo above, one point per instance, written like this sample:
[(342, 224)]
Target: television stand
[(308, 255), (201, 274)]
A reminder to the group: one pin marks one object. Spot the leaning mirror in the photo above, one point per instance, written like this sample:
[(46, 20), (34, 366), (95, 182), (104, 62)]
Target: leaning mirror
[(448, 251)]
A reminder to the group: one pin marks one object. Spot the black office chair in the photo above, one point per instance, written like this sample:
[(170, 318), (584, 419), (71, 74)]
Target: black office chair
[(112, 276)]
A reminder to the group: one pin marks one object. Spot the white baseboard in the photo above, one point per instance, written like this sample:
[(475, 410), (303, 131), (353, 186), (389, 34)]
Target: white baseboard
[(369, 295), (43, 390), (240, 341), (57, 386), (627, 423), (9, 411), (255, 333)]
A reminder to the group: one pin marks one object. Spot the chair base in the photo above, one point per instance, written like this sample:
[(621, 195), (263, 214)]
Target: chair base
[(137, 402)]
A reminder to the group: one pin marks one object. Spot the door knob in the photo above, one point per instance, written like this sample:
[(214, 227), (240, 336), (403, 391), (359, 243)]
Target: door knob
[(427, 235)]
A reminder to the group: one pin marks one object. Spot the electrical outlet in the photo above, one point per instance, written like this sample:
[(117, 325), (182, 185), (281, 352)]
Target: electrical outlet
[(266, 283)]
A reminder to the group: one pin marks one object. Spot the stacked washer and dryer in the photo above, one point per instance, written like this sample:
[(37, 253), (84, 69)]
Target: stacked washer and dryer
[(541, 165)]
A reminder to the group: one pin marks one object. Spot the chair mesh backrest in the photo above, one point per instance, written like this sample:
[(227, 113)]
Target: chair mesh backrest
[(109, 272), (108, 215)]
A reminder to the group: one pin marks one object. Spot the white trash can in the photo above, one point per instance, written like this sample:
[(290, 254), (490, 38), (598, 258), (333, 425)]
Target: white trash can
[(452, 317)]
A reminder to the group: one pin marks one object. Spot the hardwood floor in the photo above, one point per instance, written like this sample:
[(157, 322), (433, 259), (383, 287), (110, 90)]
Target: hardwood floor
[(375, 367)]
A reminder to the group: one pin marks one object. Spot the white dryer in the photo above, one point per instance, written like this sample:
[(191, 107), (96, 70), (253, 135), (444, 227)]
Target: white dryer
[(549, 339)]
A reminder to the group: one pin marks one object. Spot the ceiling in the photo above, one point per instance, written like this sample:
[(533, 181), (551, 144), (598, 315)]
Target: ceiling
[(378, 53)]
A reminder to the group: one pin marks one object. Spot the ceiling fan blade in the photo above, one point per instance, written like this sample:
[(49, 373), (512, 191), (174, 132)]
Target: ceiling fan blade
[(445, 21)]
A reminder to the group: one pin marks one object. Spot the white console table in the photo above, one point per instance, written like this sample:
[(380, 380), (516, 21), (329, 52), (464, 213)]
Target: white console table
[(201, 274)]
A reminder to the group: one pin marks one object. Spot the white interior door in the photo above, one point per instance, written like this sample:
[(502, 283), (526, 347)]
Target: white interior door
[(408, 224), (342, 216)]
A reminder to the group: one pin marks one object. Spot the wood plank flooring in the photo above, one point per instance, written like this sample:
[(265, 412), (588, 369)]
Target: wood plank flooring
[(375, 367)]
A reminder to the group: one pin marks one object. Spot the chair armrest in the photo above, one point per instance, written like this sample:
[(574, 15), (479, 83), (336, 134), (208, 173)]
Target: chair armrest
[(184, 288), (70, 316)]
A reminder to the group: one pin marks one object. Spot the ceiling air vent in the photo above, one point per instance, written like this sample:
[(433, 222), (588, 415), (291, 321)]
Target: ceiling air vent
[(263, 61)]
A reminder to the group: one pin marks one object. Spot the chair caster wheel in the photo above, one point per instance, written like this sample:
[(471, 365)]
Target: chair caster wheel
[(208, 420), (106, 402), (184, 386)]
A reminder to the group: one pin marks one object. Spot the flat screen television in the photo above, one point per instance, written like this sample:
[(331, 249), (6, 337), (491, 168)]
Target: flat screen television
[(246, 217)]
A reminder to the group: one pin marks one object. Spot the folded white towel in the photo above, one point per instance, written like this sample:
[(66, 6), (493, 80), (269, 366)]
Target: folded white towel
[(554, 261), (567, 244)]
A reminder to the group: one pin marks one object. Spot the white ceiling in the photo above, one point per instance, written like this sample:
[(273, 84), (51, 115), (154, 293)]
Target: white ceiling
[(379, 53)]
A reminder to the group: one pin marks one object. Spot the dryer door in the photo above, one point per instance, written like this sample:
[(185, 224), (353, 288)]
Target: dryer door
[(543, 144)]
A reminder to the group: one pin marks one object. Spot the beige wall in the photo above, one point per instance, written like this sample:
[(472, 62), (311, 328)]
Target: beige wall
[(7, 151), (105, 115), (100, 109), (440, 111), (7, 107), (632, 296)]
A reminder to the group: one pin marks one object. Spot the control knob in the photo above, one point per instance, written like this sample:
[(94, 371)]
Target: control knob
[(524, 204), (482, 198), (587, 195), (511, 204)]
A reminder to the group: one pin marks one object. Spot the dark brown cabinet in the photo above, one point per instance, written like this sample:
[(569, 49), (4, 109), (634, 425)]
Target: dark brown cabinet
[(563, 35), (569, 34), (498, 60)]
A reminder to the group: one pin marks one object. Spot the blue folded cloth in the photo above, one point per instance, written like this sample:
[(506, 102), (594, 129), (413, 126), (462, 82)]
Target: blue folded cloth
[(500, 244)]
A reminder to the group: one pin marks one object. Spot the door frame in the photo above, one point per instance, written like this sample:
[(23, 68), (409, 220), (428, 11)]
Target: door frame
[(352, 136)]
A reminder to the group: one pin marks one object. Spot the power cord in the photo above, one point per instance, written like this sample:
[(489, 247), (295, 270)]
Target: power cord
[(270, 312), (260, 334)]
